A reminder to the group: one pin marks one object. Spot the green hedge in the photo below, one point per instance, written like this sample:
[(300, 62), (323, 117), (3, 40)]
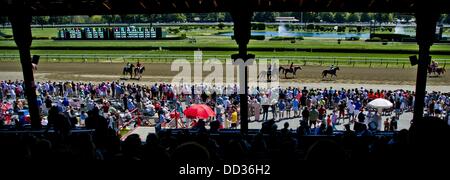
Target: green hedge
[(341, 29), (220, 26), (283, 38), (374, 39), (254, 37), (410, 39), (258, 26), (7, 36), (41, 38), (173, 30), (354, 38), (10, 37), (390, 37)]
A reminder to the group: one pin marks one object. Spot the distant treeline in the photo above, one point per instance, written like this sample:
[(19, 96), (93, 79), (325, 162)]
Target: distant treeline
[(306, 17)]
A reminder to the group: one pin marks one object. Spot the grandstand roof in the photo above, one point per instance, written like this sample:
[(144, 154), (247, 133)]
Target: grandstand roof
[(97, 7)]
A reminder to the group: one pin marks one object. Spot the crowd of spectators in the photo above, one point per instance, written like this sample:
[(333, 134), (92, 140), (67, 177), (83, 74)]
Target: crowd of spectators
[(106, 108)]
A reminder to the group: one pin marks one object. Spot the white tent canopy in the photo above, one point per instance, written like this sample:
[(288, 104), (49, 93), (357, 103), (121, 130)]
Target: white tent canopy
[(380, 103)]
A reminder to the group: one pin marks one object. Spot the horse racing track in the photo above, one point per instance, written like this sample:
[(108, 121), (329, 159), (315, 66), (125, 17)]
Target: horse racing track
[(161, 72)]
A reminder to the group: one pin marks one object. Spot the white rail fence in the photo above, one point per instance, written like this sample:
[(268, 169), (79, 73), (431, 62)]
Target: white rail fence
[(159, 58)]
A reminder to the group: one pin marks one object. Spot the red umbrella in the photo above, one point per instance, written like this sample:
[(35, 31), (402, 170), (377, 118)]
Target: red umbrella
[(200, 111)]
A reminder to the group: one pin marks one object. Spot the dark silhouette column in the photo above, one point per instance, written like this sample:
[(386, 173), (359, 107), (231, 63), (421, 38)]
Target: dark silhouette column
[(425, 35), (21, 25), (242, 30)]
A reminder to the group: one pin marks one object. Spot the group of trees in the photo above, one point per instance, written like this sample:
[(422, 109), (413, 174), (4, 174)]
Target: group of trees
[(341, 17), (307, 17), (140, 18)]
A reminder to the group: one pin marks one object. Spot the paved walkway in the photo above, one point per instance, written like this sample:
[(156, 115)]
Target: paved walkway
[(403, 123)]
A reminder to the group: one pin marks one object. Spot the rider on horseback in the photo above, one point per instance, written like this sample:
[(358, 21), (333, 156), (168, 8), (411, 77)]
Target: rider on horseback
[(291, 67), (434, 65), (128, 69), (331, 67), (138, 65)]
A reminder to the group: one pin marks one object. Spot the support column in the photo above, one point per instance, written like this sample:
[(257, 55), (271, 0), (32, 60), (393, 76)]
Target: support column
[(242, 33), (425, 35), (21, 25)]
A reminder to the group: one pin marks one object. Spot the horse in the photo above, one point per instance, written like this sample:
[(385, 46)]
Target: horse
[(281, 69), (265, 74), (128, 70), (138, 72), (331, 72), (293, 71), (439, 71)]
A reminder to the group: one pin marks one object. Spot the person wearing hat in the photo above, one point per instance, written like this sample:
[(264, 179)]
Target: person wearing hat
[(131, 105)]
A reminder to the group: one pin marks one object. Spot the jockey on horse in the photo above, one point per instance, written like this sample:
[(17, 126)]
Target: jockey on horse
[(331, 71), (138, 65), (128, 69), (435, 69), (331, 67), (434, 66), (292, 69), (139, 70)]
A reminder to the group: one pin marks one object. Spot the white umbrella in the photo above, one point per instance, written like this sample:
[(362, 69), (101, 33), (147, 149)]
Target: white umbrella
[(380, 103)]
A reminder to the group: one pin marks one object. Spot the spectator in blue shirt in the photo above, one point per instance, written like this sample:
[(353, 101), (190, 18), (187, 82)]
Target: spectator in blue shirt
[(357, 106), (65, 102), (281, 108), (39, 101), (295, 107), (130, 105)]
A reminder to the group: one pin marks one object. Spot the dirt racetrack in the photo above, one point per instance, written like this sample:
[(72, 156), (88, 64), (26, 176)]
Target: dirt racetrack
[(160, 72)]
